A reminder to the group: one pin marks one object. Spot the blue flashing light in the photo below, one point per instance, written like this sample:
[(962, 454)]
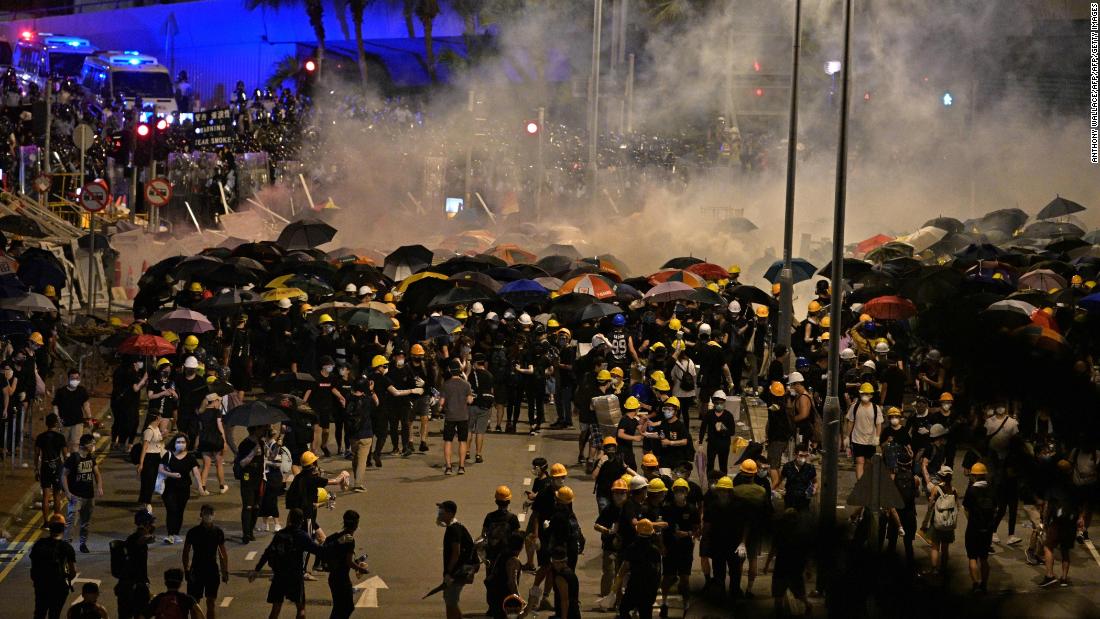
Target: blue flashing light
[(135, 61)]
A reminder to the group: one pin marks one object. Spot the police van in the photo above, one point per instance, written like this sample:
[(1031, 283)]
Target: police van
[(40, 55), (129, 74), (66, 54)]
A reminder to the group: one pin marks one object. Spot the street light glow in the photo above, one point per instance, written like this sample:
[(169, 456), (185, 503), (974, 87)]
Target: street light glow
[(832, 67), (532, 127), (310, 66)]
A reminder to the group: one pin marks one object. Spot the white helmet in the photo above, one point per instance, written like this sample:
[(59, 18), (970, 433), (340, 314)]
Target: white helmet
[(525, 319), (284, 303), (882, 347), (870, 365), (599, 339), (191, 363), (350, 288), (477, 308), (795, 377), (734, 307), (856, 307), (492, 316), (704, 328), (638, 483), (365, 290), (847, 354), (718, 395)]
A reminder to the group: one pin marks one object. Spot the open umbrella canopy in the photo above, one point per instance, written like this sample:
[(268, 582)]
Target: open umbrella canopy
[(889, 251), (873, 242), (706, 296), (359, 274), (433, 327), (556, 265), (678, 275), (149, 345), (980, 251), (932, 285), (232, 275), (1041, 279), (306, 233), (801, 270), (160, 274), (39, 272), (683, 262), (1043, 338), (924, 238), (28, 303), (625, 293), (406, 260), (738, 225), (195, 267), (412, 279), (183, 321), (669, 291), (1059, 207), (1052, 230), (266, 253), (510, 274), (950, 224), (1091, 303), (1093, 237), (278, 294), (852, 268), (560, 249), (231, 301), (368, 318), (751, 294), (596, 311), (255, 413), (567, 307), (1068, 244), (522, 287), (459, 295), (1007, 220), (1013, 306), (474, 279), (388, 309), (890, 308), (459, 264), (549, 283), (511, 253), (708, 271), (590, 284)]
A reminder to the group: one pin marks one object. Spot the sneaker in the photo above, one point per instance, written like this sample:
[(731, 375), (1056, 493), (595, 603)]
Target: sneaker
[(224, 488), (478, 459), (168, 539), (499, 430), (84, 548), (359, 489), (1047, 581), (461, 470), (1080, 538), (1063, 582), (534, 432), (179, 539), (996, 539), (1013, 540), (466, 458), (424, 445), (408, 452), (447, 470)]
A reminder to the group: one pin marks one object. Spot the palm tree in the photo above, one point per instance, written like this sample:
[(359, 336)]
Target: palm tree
[(426, 12), (357, 8), (314, 10)]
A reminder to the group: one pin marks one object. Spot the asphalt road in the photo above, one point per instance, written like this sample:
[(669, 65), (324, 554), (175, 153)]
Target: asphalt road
[(404, 544)]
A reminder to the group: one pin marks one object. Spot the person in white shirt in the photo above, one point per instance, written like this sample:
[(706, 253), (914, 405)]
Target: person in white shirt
[(864, 426)]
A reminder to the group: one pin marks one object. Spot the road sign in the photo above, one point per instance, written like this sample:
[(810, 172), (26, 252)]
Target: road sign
[(158, 192), (83, 136), (94, 196), (42, 183)]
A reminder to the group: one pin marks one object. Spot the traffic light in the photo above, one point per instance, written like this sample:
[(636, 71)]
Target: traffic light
[(118, 146), (759, 92), (310, 65), (532, 127), (143, 148), (160, 140), (948, 99)]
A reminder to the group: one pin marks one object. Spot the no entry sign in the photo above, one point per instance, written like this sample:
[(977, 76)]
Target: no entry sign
[(94, 196), (158, 192)]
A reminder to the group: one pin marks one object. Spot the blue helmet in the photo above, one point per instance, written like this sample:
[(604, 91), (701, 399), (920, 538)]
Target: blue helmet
[(618, 320), (801, 363)]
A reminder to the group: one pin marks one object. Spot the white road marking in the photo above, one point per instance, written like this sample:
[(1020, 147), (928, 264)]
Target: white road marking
[(250, 556), (526, 481), (226, 601), (530, 448), (78, 580), (1092, 551), (370, 588)]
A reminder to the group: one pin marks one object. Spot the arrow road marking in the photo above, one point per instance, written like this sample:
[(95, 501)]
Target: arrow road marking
[(530, 448), (226, 601), (370, 588), (250, 556)]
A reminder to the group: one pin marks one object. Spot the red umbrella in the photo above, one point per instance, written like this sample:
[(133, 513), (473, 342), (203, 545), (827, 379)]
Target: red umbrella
[(150, 345), (708, 270), (678, 275), (890, 308), (512, 253), (591, 284), (874, 242)]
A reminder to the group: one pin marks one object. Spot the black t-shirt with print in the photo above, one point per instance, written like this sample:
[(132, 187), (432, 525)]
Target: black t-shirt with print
[(81, 472)]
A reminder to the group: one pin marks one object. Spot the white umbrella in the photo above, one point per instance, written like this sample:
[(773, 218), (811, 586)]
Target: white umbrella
[(924, 238), (29, 302)]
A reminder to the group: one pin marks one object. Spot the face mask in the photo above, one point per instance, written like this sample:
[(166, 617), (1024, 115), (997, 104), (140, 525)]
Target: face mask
[(189, 372), (181, 446), (618, 498), (895, 422), (164, 373), (139, 364), (1001, 411), (328, 368), (329, 329), (946, 407), (74, 383), (864, 398), (400, 363), (801, 460), (667, 414)]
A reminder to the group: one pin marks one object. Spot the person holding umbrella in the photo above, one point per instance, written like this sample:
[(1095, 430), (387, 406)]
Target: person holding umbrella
[(126, 384)]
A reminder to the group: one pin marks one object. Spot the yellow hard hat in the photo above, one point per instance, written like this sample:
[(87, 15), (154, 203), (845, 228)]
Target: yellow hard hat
[(649, 460), (567, 332), (947, 397), (644, 527), (776, 287), (1049, 311), (762, 311), (681, 483), (416, 350), (609, 441), (552, 324), (322, 495), (503, 493), (713, 287), (36, 337), (115, 321), (617, 371), (461, 315), (748, 465), (1076, 280), (724, 483), (893, 411), (826, 322), (978, 469), (378, 361), (625, 478), (734, 270), (603, 375), (51, 292), (558, 469), (814, 307), (211, 379), (673, 401), (396, 323), (657, 345), (675, 324), (163, 361), (632, 404), (722, 282), (324, 318), (564, 495), (136, 329), (170, 336), (1090, 284), (657, 485), (619, 486), (190, 342), (866, 389), (865, 318), (195, 287), (306, 308), (662, 385), (825, 336), (777, 389), (308, 458)]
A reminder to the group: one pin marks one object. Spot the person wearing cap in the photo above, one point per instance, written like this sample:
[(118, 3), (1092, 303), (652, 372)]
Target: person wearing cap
[(286, 554), (863, 427), (780, 428), (132, 589), (684, 520), (641, 570), (341, 560), (562, 530), (191, 387), (752, 507), (716, 542), (72, 405), (481, 382), (172, 601), (326, 399), (458, 556), (81, 482), (717, 429), (53, 566), (163, 398), (456, 396), (305, 485), (942, 498), (981, 523), (127, 381), (895, 437)]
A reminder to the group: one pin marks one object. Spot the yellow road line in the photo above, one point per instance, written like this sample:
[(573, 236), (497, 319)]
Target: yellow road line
[(35, 533)]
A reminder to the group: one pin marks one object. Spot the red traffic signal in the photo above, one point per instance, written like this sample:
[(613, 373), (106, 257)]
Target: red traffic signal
[(759, 92), (142, 130), (532, 127), (162, 124), (310, 65), (756, 65)]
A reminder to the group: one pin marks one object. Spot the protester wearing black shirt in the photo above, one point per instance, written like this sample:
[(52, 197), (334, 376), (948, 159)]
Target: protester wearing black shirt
[(717, 430), (191, 389), (70, 403), (179, 467), (325, 398), (81, 482), (53, 566), (340, 557), (641, 569), (286, 556), (207, 540), (250, 465), (457, 551), (126, 385), (163, 398), (173, 598), (132, 589), (50, 450)]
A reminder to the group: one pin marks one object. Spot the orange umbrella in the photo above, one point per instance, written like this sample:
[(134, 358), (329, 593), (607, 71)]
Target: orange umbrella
[(678, 275), (874, 242), (708, 271), (591, 284), (512, 254)]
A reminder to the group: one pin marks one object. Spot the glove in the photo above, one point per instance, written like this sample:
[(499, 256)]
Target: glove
[(741, 551), (901, 531), (419, 382)]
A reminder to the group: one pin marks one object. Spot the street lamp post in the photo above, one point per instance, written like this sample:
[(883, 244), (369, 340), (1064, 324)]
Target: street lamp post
[(594, 98), (786, 276)]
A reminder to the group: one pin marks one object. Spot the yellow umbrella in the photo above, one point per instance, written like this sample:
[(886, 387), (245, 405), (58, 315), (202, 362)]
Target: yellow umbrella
[(279, 294), (388, 309), (279, 281), (410, 280)]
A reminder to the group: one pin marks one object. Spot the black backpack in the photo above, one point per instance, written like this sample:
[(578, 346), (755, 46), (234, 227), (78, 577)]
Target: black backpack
[(687, 379), (47, 561), (119, 558), (496, 536), (281, 552), (135, 454)]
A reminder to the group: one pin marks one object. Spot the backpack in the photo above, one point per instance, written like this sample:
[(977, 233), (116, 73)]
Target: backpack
[(984, 510), (496, 537), (167, 605), (281, 553), (118, 558), (946, 515), (687, 378), (47, 562)]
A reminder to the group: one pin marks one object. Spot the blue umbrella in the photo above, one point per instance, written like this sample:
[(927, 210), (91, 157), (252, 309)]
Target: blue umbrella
[(1091, 303), (523, 292), (434, 327), (801, 270)]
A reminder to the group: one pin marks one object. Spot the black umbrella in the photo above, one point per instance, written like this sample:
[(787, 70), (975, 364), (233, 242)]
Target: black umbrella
[(406, 260), (232, 243), (227, 302), (900, 267), (255, 413), (292, 381), (852, 268), (459, 295), (1006, 220), (21, 225), (510, 274), (220, 253), (560, 249), (99, 240), (980, 251), (492, 261), (864, 294), (1059, 207), (232, 275), (1068, 244), (459, 264), (596, 311), (433, 327), (359, 274), (706, 296), (244, 262), (526, 271), (933, 285), (472, 279), (195, 267), (953, 242), (752, 294), (1052, 230), (625, 293), (421, 292), (222, 388), (682, 262), (306, 233), (266, 253), (945, 223), (556, 265), (312, 268), (160, 274), (568, 306), (38, 272)]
